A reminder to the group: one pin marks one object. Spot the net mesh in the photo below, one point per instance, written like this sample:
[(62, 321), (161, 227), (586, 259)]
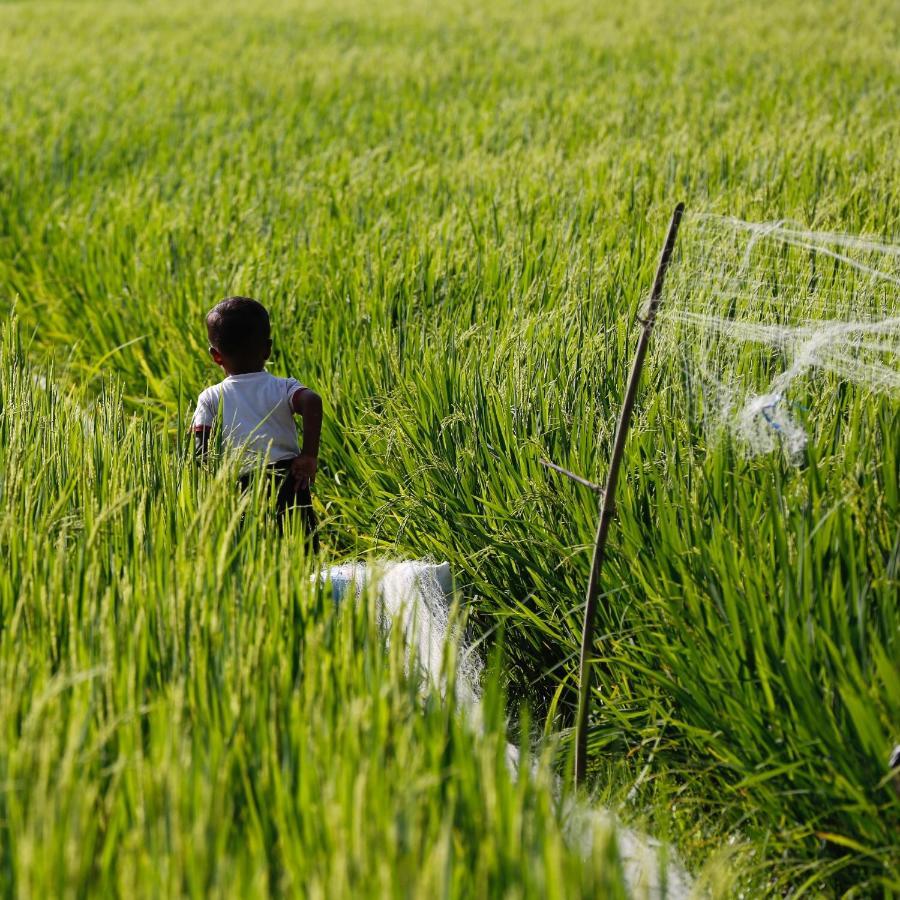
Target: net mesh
[(761, 314)]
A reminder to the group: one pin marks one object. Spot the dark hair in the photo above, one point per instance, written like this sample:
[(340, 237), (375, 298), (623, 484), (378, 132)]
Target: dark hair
[(238, 326)]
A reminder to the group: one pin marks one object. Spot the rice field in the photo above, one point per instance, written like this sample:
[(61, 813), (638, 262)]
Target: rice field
[(453, 212)]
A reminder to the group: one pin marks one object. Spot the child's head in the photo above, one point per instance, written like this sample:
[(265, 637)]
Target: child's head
[(239, 335)]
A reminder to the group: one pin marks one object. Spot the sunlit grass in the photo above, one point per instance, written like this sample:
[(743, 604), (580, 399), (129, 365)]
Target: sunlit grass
[(185, 712), (453, 213)]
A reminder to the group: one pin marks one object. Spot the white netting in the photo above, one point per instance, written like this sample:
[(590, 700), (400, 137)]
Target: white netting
[(762, 314), (414, 606)]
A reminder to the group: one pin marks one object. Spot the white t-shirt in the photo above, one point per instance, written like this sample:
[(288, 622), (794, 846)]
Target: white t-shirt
[(257, 417)]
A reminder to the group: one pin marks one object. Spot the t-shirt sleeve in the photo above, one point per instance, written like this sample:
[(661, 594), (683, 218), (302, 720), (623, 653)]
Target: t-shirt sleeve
[(291, 388), (204, 414)]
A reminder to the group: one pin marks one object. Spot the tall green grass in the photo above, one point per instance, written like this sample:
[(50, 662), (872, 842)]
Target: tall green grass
[(453, 213), (186, 713)]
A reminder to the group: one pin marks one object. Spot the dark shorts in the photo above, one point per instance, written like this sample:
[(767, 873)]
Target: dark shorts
[(288, 500)]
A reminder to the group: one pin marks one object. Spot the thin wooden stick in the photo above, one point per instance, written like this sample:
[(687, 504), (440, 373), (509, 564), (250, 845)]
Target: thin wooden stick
[(588, 484), (608, 500)]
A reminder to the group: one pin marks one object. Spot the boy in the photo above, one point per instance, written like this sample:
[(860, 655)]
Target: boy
[(257, 409)]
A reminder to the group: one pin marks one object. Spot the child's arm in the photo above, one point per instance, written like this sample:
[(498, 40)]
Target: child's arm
[(201, 441), (201, 427), (308, 404)]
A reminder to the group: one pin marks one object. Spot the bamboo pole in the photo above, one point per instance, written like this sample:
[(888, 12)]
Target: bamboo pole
[(607, 502)]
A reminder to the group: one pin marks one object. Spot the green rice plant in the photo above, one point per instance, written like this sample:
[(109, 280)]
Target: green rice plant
[(453, 212), (186, 712)]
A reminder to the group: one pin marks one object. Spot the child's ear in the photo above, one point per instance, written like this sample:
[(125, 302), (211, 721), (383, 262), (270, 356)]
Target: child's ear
[(217, 357), (268, 349)]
